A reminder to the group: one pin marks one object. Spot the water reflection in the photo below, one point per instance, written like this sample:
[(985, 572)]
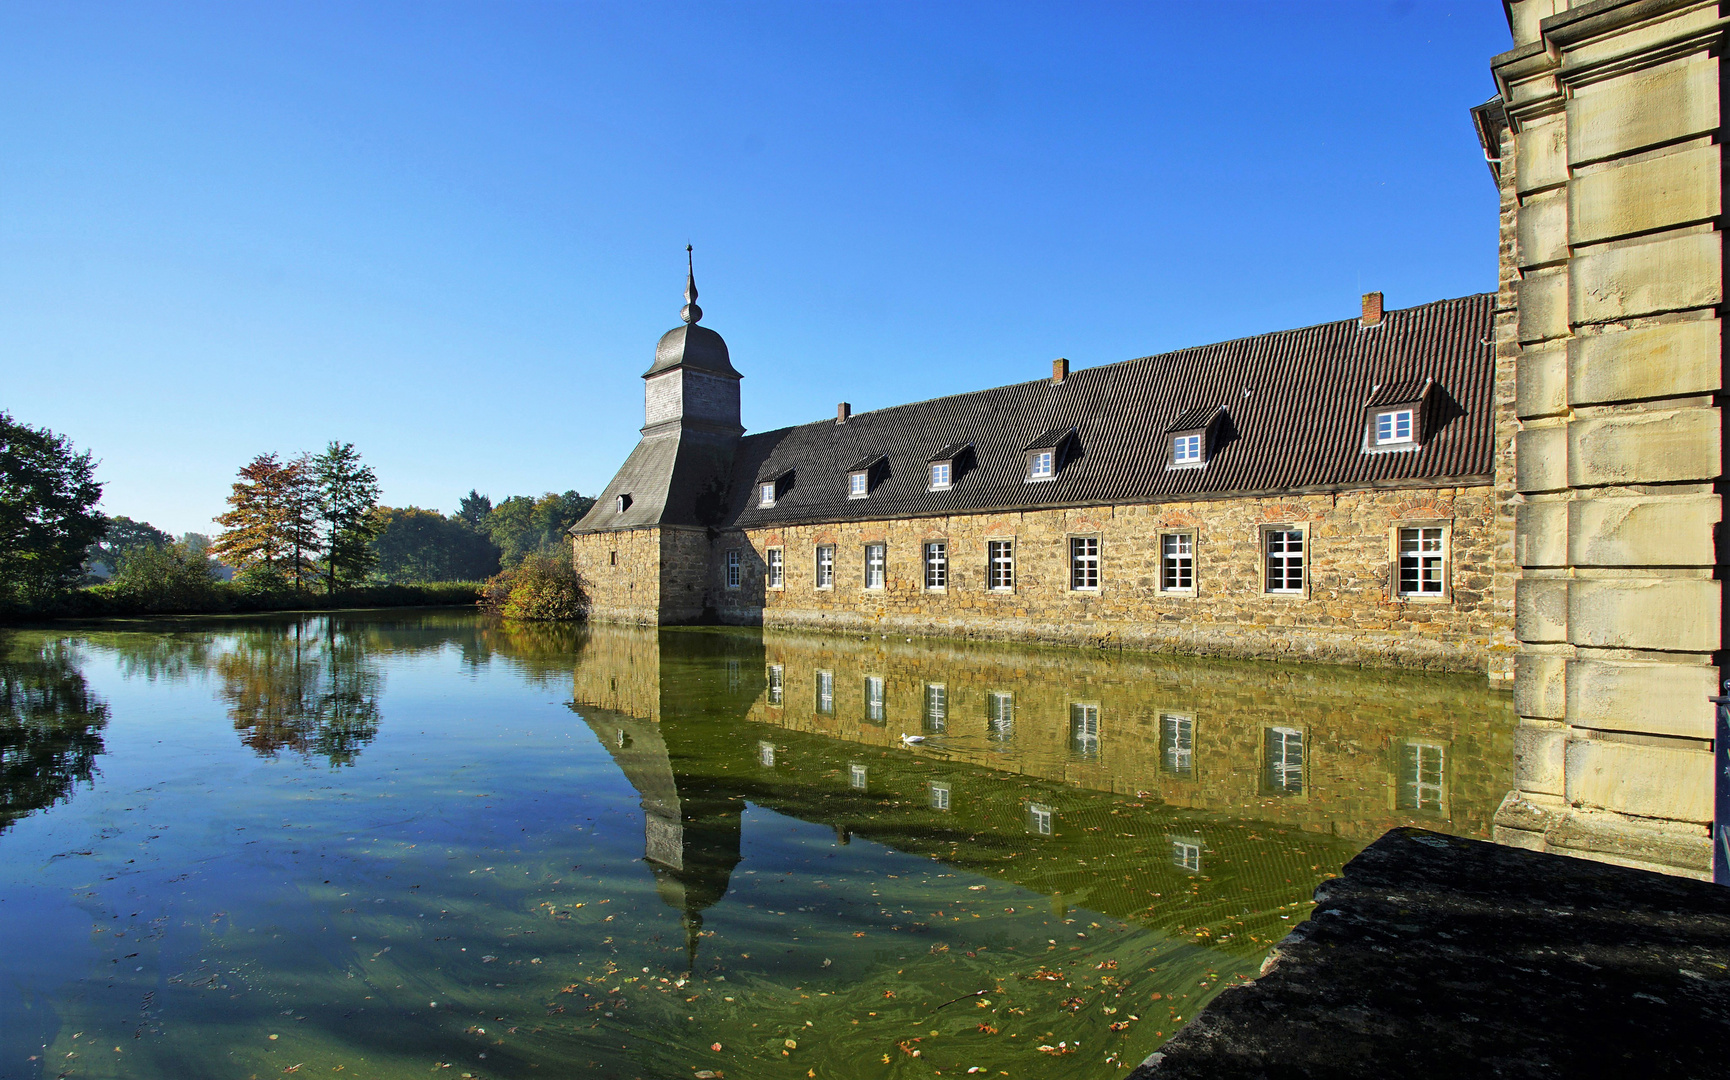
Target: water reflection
[(310, 687), (50, 727)]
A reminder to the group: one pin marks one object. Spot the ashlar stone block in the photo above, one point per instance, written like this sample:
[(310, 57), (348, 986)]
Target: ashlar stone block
[(1643, 109), (1540, 688), (1541, 459), (1543, 225), (1543, 300), (1649, 781), (1675, 273), (1541, 534), (1657, 699), (1643, 196), (1667, 360), (1541, 610), (1645, 448), (1540, 156), (1657, 531), (1672, 614), (1541, 383), (1540, 759)]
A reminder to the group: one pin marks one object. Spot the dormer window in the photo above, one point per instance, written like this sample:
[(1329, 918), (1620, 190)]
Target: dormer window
[(1046, 455), (766, 494), (770, 488), (621, 503), (944, 468), (1395, 416), (940, 475), (1194, 435), (865, 475)]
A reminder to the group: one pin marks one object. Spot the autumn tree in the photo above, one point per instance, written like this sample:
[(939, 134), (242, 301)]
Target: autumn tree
[(253, 527), (48, 494), (347, 493)]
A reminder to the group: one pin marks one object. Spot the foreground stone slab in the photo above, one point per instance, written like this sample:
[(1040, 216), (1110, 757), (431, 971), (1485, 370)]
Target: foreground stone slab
[(1433, 955)]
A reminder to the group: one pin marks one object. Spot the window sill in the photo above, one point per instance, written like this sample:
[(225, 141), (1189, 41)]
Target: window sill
[(1189, 593), (1002, 591), (1041, 479), (1416, 598), (822, 588), (1084, 590), (850, 495), (1178, 466), (940, 487), (937, 588), (774, 588), (1286, 593)]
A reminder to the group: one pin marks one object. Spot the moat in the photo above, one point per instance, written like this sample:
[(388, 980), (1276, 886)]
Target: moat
[(423, 844)]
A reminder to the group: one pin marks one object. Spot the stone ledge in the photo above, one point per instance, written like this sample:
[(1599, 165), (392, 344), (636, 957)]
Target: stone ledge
[(1436, 956)]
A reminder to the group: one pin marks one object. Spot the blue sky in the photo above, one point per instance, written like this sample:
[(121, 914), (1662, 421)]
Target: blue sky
[(451, 233)]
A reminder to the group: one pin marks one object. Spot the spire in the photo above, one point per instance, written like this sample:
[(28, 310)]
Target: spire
[(690, 312)]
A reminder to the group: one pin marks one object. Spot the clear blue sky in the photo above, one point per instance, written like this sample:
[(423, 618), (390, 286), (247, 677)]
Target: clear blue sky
[(451, 233)]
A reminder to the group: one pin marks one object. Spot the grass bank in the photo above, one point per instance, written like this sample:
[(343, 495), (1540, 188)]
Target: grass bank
[(100, 601)]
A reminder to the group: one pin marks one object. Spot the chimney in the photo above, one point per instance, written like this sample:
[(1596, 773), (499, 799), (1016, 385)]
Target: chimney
[(1059, 370), (842, 412), (1372, 309)]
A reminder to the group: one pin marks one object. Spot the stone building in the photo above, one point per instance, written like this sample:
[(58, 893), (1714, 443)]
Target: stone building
[(1328, 493)]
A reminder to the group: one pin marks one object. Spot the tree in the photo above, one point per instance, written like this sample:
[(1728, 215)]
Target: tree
[(48, 493), (543, 587), (300, 510), (347, 493), (474, 510), (253, 527), (174, 577), (121, 536), (415, 545), (521, 526)]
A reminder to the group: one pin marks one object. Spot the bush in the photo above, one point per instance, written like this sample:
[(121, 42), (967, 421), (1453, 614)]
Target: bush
[(262, 584), (543, 587), (171, 578)]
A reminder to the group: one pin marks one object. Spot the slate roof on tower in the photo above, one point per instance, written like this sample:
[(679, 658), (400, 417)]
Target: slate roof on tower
[(1294, 405)]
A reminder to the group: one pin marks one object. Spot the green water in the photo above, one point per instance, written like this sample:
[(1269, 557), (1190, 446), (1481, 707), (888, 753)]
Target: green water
[(423, 845)]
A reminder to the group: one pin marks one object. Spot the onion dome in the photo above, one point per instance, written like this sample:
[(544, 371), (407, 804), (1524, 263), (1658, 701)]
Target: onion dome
[(690, 345)]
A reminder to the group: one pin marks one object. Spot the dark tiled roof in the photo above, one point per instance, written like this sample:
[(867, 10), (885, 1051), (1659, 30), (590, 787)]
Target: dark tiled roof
[(1295, 400), (1050, 438), (1397, 393), (950, 452), (1193, 419), (867, 462)]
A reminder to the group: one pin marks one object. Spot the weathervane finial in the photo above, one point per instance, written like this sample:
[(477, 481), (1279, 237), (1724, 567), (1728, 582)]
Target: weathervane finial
[(690, 312)]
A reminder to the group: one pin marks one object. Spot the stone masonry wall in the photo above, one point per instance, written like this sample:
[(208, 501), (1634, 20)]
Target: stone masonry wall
[(1345, 614), (622, 571)]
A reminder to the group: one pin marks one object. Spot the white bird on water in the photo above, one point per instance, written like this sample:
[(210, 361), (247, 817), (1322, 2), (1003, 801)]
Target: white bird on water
[(911, 740)]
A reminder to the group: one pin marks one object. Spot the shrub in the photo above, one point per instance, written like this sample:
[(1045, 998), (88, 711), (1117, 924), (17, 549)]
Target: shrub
[(170, 578), (543, 587), (262, 583)]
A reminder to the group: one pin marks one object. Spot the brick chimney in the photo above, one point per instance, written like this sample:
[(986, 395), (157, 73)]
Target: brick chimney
[(842, 412), (1372, 309), (1059, 370)]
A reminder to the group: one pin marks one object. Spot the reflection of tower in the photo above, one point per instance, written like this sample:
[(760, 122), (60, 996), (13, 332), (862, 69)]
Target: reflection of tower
[(691, 830)]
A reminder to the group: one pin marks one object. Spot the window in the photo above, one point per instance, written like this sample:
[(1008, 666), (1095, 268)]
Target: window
[(1285, 761), (936, 708), (1422, 784), (1041, 465), (875, 710), (940, 471), (875, 556), (1177, 562), (1177, 746), (1186, 853), (766, 495), (999, 715), (1084, 562), (1039, 818), (621, 504), (1000, 564), (858, 485), (826, 693), (1285, 560), (1186, 449), (1423, 559), (939, 795), (826, 566), (766, 754), (1084, 731), (1394, 426), (937, 565), (612, 558), (735, 568), (776, 568), (856, 777), (777, 683)]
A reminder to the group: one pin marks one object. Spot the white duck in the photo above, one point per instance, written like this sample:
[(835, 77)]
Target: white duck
[(911, 740)]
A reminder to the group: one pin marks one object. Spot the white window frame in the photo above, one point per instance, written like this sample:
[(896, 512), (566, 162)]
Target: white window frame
[(876, 700), (766, 494), (1041, 465), (1284, 756), (825, 687), (1186, 853), (776, 572), (825, 566), (777, 688), (936, 565), (735, 568), (1400, 424), (936, 708), (1285, 557), (1084, 563), (765, 753), (859, 484), (940, 475), (1000, 715), (1422, 549), (1084, 729), (940, 792), (1177, 563), (1423, 778), (877, 566), (1041, 819), (1000, 565), (1186, 449), (1177, 745), (857, 776)]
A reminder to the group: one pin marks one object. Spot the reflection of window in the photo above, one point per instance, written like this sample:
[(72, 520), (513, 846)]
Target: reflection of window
[(1285, 560), (1084, 562), (776, 568), (766, 753), (1000, 715), (1186, 853), (1421, 558), (734, 564), (936, 707), (1285, 761), (875, 556), (939, 795), (856, 777), (775, 684), (1177, 745), (1423, 786), (874, 709), (826, 566), (1000, 563), (937, 565), (1084, 731), (1039, 817), (1177, 562), (734, 681), (826, 692)]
